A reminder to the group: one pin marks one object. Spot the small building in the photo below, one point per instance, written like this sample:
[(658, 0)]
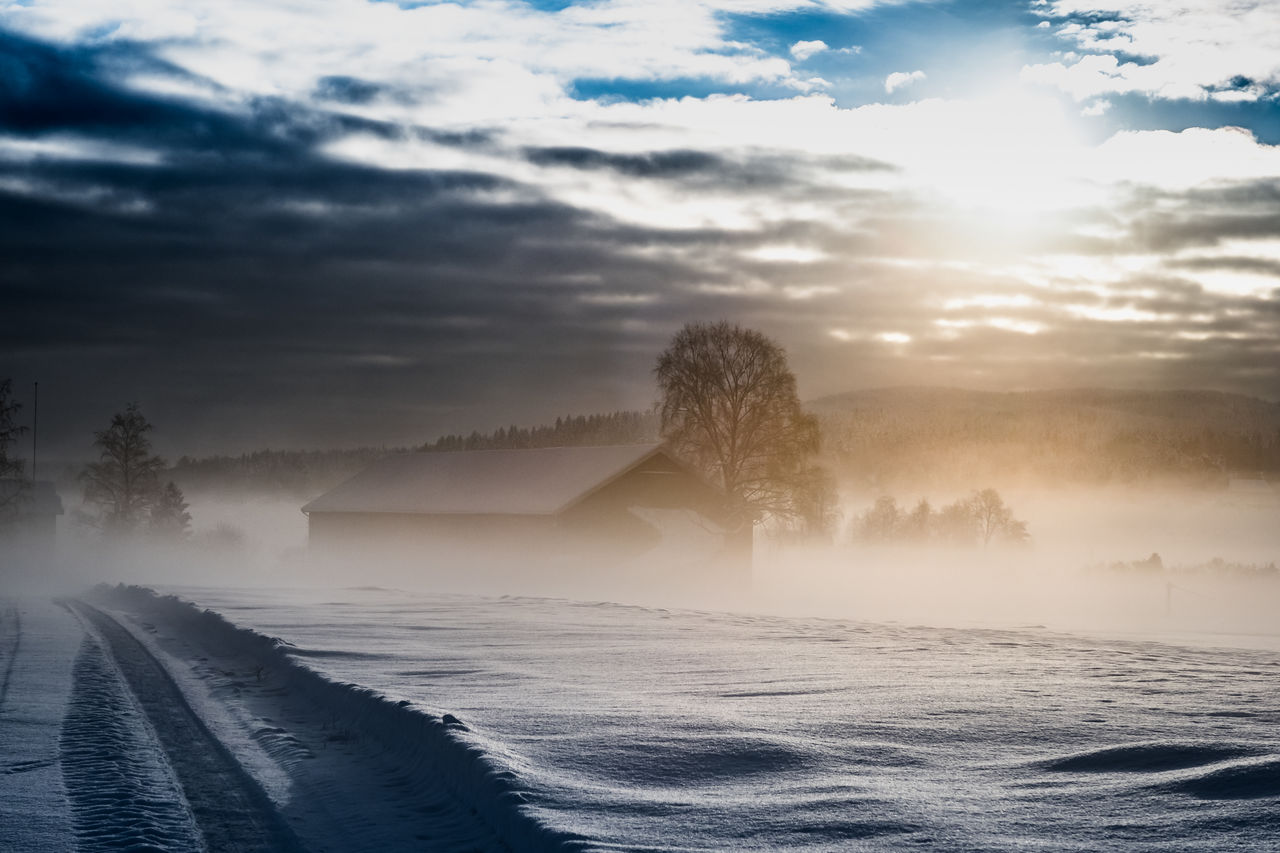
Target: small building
[(29, 513), (599, 504)]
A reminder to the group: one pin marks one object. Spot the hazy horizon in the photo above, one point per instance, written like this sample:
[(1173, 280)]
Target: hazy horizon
[(71, 442)]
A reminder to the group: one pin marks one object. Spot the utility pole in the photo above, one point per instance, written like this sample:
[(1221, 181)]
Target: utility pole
[(35, 425)]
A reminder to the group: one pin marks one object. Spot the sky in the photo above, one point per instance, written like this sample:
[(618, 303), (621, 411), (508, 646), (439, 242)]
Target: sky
[(339, 222)]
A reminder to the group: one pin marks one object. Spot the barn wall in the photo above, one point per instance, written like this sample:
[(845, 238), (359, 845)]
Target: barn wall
[(658, 483), (406, 531), (600, 529)]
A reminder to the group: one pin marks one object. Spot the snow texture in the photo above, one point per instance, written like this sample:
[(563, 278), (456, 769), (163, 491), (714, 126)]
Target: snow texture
[(38, 645), (122, 792), (230, 808), (459, 797), (135, 721), (649, 729)]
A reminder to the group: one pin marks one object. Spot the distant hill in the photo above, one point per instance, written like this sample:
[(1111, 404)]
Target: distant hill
[(911, 436), (307, 473), (291, 473), (892, 437)]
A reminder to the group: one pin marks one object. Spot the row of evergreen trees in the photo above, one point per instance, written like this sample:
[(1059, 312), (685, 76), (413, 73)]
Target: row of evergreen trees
[(125, 490), (570, 431)]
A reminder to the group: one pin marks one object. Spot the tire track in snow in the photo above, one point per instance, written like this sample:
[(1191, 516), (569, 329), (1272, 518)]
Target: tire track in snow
[(123, 796), (364, 773), (229, 808)]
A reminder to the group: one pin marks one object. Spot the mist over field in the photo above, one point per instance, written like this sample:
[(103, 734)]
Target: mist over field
[(1076, 572)]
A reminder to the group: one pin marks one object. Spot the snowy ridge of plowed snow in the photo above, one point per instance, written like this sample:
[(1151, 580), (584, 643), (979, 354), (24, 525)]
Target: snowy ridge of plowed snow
[(429, 748), (230, 809)]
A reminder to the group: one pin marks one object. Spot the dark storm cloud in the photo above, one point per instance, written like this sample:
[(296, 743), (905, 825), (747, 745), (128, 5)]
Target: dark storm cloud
[(243, 265), (1260, 266), (701, 168), (659, 164), (349, 90), (250, 289)]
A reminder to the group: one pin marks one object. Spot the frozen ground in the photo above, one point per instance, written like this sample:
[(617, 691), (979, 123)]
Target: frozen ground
[(383, 720), (650, 729)]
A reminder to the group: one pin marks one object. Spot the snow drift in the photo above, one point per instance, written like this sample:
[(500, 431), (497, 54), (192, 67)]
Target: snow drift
[(428, 746)]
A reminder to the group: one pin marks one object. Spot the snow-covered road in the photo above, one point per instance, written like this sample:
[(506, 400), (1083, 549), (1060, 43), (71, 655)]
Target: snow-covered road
[(169, 729), (38, 646)]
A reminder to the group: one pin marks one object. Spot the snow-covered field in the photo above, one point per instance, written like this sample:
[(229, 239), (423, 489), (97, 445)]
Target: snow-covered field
[(526, 723)]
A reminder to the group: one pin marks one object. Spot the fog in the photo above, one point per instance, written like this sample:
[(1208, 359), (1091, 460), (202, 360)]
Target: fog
[(1083, 568)]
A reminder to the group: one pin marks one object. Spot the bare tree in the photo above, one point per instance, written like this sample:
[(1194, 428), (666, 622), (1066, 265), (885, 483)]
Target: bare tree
[(123, 483), (955, 524), (994, 518), (882, 523), (917, 525), (730, 408)]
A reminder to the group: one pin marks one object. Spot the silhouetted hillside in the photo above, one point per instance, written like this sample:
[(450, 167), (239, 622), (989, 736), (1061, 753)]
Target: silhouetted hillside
[(940, 437), (953, 437), (306, 473), (300, 473)]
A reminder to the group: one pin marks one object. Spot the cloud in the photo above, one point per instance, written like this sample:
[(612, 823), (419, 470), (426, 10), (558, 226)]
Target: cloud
[(411, 210), (802, 50), (899, 79), (1191, 49)]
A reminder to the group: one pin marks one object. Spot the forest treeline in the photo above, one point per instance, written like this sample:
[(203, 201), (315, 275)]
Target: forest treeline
[(571, 431), (942, 438)]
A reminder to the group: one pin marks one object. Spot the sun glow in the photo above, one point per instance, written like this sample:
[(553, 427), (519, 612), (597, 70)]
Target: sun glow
[(1009, 154)]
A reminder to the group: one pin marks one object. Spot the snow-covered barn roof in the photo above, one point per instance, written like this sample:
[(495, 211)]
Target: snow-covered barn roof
[(542, 481)]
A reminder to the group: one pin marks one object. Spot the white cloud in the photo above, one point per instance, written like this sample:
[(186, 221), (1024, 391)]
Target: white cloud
[(802, 50), (898, 79), (1197, 47), (65, 147), (787, 254), (1178, 161)]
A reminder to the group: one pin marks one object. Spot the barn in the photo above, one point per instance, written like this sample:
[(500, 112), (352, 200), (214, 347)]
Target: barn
[(29, 517), (614, 503)]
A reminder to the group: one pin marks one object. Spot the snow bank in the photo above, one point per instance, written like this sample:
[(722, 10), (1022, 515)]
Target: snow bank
[(428, 746)]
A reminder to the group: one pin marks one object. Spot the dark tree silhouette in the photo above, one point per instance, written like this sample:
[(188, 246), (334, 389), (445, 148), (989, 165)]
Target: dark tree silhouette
[(729, 407), (14, 490), (169, 518), (124, 482)]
